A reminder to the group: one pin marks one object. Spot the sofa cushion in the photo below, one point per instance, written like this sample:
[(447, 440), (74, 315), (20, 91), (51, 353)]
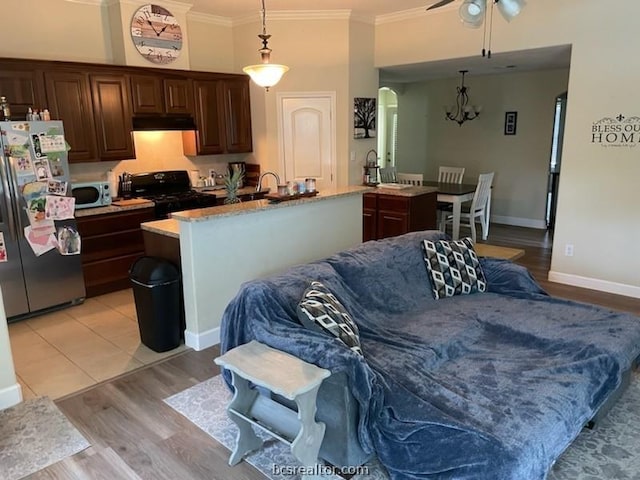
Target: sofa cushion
[(453, 267), (321, 311)]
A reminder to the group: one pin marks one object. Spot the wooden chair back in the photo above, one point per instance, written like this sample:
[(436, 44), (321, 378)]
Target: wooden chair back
[(410, 178), (450, 174)]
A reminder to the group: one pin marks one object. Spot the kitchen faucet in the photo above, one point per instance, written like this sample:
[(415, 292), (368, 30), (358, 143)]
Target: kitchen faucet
[(275, 175)]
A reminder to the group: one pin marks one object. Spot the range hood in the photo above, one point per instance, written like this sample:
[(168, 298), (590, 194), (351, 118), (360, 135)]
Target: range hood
[(163, 123)]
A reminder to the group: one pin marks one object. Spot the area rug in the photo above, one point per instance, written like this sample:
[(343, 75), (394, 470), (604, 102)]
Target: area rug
[(610, 451), (33, 435)]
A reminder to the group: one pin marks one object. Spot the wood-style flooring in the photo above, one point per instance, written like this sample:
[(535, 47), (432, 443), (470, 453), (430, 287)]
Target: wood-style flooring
[(134, 435)]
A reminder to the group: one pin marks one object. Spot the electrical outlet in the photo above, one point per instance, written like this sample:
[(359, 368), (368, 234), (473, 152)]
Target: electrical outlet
[(568, 250), (353, 156)]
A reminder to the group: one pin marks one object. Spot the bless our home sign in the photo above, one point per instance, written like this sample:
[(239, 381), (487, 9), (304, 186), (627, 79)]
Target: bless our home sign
[(619, 131)]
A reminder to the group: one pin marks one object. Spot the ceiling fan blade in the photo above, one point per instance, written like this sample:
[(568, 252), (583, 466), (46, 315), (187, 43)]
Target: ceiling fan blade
[(441, 3)]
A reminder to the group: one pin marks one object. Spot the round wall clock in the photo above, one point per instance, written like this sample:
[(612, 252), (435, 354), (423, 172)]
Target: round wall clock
[(156, 34)]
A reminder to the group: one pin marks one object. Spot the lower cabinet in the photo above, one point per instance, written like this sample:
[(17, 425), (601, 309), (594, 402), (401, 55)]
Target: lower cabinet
[(110, 244), (392, 215)]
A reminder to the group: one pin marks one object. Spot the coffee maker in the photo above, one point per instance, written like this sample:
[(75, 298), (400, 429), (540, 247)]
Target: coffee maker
[(237, 166)]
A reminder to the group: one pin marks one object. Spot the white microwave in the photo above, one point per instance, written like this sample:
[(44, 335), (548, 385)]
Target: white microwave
[(91, 194)]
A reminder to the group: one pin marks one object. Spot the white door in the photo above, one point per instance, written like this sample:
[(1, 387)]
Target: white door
[(308, 137)]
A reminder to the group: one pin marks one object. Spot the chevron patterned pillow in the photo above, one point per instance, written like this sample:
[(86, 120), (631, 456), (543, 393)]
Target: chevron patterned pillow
[(321, 311), (453, 267)]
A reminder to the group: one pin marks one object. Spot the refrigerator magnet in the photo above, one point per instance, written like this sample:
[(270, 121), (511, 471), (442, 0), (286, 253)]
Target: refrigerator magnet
[(42, 168), (3, 249), (68, 241), (56, 187), (35, 143), (59, 208)]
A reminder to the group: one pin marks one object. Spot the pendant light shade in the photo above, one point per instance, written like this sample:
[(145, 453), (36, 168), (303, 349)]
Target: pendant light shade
[(471, 12), (265, 74), (510, 8)]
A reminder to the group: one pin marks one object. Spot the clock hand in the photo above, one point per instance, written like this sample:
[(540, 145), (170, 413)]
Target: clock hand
[(152, 27), (163, 29)]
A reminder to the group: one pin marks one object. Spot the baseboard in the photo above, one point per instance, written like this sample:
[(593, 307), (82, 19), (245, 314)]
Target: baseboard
[(519, 222), (10, 396), (595, 284), (200, 341)]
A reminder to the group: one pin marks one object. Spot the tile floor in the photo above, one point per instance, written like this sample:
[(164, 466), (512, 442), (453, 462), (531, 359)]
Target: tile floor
[(66, 351)]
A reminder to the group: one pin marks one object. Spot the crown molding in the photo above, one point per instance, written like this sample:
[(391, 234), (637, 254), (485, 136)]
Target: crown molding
[(171, 5), (297, 15), (210, 19), (97, 3), (413, 13)]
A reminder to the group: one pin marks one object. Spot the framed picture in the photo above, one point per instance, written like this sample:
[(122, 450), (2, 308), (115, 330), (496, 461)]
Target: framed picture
[(510, 123), (364, 117)]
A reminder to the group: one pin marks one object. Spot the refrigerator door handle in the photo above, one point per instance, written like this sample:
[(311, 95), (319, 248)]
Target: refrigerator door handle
[(17, 195), (5, 174)]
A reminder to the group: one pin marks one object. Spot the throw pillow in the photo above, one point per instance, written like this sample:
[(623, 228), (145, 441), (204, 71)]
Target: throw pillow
[(453, 267), (321, 311)]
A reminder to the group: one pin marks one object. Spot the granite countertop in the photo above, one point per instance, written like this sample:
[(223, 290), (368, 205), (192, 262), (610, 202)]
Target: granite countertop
[(222, 192), (405, 192), (203, 214), (88, 212), (169, 227)]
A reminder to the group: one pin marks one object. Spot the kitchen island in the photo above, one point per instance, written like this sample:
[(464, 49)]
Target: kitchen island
[(222, 247)]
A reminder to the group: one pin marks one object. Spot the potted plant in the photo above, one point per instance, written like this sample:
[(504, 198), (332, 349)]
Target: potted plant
[(231, 182)]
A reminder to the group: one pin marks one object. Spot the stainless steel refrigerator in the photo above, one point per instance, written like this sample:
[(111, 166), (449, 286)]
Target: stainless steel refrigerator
[(40, 266)]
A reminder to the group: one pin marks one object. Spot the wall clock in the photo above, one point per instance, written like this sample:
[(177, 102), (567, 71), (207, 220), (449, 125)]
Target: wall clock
[(156, 34)]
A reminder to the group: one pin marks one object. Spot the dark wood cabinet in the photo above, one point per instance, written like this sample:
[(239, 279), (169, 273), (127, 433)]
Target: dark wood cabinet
[(151, 94), (110, 245), (237, 115), (69, 100), (112, 113), (23, 88), (386, 216), (146, 94), (223, 117), (178, 96)]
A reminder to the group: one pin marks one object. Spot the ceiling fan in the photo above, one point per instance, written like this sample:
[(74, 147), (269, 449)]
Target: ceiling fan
[(472, 13)]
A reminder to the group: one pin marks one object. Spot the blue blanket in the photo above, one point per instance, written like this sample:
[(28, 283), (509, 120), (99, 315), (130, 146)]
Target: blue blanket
[(486, 386)]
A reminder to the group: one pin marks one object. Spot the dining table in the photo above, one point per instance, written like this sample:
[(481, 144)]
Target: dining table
[(455, 194)]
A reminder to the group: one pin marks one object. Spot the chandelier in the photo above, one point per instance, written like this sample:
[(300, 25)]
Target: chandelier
[(462, 111), (265, 74)]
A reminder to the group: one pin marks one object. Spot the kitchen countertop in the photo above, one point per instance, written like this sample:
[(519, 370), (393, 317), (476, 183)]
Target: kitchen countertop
[(404, 192), (204, 214), (169, 227), (87, 212), (222, 192)]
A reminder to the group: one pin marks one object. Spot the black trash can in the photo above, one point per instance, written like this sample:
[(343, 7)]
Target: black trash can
[(157, 291)]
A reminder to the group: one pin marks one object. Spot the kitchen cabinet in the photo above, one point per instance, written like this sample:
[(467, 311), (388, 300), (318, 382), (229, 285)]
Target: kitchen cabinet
[(23, 88), (112, 113), (69, 100), (110, 244), (223, 117), (151, 94), (386, 216)]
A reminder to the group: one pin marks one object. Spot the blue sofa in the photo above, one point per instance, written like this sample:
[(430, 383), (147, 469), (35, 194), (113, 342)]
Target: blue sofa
[(490, 385)]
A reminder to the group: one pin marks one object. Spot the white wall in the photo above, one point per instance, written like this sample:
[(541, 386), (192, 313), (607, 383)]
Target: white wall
[(220, 253), (597, 211), (10, 391), (521, 162)]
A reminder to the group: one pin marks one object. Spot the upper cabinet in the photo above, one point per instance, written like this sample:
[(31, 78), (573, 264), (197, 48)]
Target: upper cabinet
[(152, 94), (69, 100), (223, 117), (112, 112), (97, 104), (24, 87)]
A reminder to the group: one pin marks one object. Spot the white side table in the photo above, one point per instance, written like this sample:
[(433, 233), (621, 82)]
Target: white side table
[(285, 375)]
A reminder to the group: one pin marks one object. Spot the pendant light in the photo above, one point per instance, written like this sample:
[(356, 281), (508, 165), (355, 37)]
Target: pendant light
[(265, 74), (462, 111)]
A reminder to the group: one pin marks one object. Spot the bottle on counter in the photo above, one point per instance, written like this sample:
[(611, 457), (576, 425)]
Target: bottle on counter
[(45, 116), (29, 114), (5, 110)]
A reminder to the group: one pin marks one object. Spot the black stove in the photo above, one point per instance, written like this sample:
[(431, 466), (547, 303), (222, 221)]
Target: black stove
[(170, 191)]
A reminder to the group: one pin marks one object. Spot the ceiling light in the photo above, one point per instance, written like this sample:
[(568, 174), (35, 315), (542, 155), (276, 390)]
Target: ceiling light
[(510, 8), (462, 111), (265, 74), (471, 12)]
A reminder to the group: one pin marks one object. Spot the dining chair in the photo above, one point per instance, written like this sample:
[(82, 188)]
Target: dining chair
[(414, 179), (388, 175), (450, 174), (479, 207)]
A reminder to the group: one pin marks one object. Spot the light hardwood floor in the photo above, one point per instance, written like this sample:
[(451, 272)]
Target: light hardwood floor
[(134, 435)]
